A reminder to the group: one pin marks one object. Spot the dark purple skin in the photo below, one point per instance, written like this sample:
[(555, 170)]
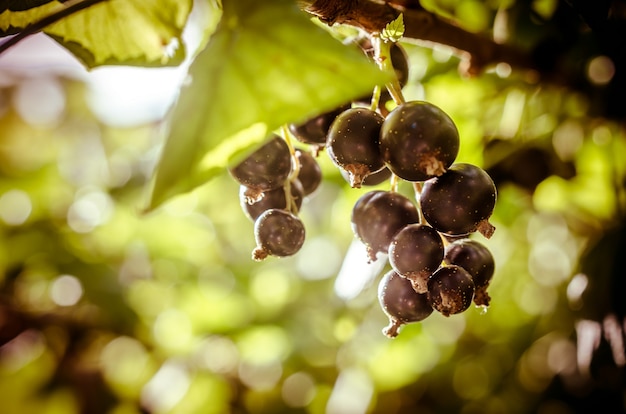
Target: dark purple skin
[(314, 130), (310, 174), (450, 290), (378, 216), (277, 233), (477, 260), (271, 199), (353, 145), (266, 168), (401, 303), (418, 141), (415, 253), (460, 201)]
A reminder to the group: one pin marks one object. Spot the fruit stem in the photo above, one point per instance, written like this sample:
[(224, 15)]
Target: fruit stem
[(295, 162), (394, 180), (375, 98), (382, 56), (295, 170), (417, 187)]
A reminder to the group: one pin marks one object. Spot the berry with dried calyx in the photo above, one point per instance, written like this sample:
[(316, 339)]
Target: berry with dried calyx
[(450, 290), (275, 198), (401, 303), (460, 201), (353, 144), (418, 141), (277, 233), (378, 216), (477, 260), (268, 167), (415, 253)]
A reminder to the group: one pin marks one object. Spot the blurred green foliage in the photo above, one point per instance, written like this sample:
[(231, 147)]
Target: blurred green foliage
[(107, 309)]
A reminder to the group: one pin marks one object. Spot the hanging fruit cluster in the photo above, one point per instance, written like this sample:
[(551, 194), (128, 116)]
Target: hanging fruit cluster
[(435, 266)]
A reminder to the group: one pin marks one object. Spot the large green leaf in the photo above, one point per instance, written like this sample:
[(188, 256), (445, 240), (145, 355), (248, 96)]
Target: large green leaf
[(114, 32), (266, 65)]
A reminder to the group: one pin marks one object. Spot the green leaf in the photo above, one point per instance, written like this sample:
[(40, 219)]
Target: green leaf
[(14, 17), (267, 64), (114, 32), (394, 30)]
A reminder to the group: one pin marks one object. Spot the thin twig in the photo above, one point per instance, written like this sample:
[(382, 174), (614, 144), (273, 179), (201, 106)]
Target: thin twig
[(421, 25), (68, 9)]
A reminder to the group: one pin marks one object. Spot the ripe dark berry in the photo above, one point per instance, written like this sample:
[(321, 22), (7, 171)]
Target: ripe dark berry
[(266, 168), (310, 174), (460, 201), (415, 253), (277, 233), (418, 141), (477, 260), (450, 290), (378, 216), (314, 130), (275, 198), (353, 145), (401, 303)]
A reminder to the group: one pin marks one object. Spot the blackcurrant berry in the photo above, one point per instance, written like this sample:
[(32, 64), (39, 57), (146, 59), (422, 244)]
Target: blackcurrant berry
[(401, 303), (277, 233), (418, 141), (450, 290), (353, 145), (460, 201), (314, 130), (479, 263), (310, 174), (275, 198), (266, 168), (378, 215), (415, 253)]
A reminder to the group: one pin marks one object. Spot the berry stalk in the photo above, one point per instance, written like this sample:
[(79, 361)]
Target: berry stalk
[(295, 170), (382, 56)]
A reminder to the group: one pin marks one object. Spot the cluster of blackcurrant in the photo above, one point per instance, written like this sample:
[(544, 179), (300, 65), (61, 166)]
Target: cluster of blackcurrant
[(274, 180), (434, 263)]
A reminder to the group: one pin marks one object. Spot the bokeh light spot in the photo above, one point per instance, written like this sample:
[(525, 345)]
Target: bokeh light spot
[(600, 70), (15, 207), (123, 361), (90, 210), (298, 389), (66, 290), (260, 376), (270, 288), (264, 344), (218, 354), (40, 101), (567, 139), (172, 329), (351, 394), (166, 388), (308, 260)]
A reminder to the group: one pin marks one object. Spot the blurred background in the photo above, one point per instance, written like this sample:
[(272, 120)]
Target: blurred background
[(105, 309)]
